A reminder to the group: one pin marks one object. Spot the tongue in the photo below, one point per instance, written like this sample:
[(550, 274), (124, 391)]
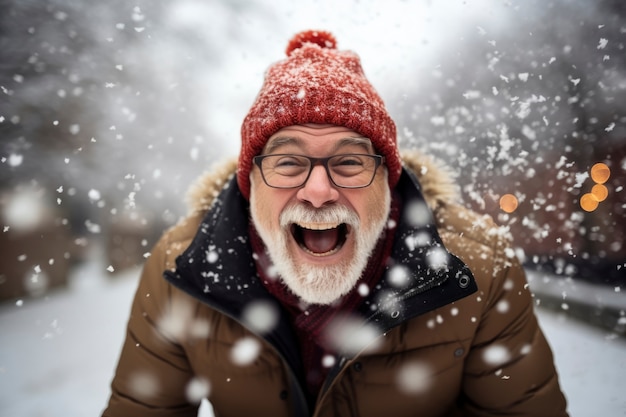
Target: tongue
[(320, 241)]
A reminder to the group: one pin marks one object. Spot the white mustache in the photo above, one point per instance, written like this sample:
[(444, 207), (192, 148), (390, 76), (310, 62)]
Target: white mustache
[(303, 214)]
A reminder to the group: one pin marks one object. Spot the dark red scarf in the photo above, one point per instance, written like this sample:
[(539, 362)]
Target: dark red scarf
[(310, 323)]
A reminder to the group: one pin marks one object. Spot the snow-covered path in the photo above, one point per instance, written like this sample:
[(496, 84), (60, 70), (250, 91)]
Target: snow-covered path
[(58, 353)]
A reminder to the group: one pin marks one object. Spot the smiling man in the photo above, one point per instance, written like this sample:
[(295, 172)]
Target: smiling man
[(325, 275), (319, 224)]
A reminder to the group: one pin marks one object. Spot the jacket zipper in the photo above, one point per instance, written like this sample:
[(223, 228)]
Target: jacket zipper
[(300, 403), (343, 361)]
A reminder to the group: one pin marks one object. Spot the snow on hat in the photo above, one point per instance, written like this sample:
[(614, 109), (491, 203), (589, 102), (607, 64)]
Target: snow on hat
[(317, 83)]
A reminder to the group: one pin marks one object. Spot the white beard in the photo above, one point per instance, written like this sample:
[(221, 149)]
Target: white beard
[(320, 284)]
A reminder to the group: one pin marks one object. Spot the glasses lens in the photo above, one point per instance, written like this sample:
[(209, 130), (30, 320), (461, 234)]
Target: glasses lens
[(352, 170), (347, 170), (285, 171)]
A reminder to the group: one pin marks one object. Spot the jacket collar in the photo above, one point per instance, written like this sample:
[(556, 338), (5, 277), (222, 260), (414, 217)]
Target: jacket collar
[(218, 268), (419, 263)]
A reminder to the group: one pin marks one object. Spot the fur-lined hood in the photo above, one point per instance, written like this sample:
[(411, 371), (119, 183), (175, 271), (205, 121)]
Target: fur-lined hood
[(436, 180)]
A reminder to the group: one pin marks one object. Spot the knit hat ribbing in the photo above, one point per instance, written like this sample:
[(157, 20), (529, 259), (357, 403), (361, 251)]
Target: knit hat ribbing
[(317, 84)]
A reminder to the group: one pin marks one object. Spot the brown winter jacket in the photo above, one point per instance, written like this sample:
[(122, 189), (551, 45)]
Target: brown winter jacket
[(451, 350)]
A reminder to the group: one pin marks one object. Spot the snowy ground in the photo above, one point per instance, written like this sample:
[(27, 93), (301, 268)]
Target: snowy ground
[(58, 353)]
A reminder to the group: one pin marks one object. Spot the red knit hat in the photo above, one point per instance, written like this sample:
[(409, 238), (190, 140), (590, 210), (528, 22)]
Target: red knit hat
[(317, 84)]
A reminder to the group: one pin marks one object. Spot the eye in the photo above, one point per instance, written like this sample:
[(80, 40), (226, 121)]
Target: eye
[(288, 161), (348, 161), (288, 164), (348, 165)]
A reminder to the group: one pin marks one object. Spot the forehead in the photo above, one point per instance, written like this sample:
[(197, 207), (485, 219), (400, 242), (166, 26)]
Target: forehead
[(322, 138)]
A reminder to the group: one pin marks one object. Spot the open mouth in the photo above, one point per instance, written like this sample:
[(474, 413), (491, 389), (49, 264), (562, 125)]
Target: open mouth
[(320, 239)]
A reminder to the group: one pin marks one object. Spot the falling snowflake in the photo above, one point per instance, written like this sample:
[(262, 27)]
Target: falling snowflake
[(94, 195), (15, 160), (363, 290), (245, 351), (437, 258), (503, 306), (414, 378), (347, 334), (496, 355), (143, 384), (211, 255), (197, 389), (399, 276), (261, 316)]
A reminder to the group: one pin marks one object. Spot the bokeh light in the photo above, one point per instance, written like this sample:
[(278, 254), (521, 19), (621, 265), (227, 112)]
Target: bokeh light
[(508, 203), (600, 192), (197, 389), (600, 173), (588, 202)]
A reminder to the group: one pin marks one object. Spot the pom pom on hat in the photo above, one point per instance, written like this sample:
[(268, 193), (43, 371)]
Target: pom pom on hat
[(319, 37), (317, 83)]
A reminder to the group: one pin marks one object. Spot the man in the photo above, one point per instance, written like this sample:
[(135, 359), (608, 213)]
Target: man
[(325, 275)]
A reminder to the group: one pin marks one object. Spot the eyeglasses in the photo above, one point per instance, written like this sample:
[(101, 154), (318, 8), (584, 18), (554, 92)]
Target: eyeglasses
[(293, 171)]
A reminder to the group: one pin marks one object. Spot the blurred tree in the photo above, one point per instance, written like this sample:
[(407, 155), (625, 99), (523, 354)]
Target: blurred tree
[(525, 104), (103, 106), (103, 96)]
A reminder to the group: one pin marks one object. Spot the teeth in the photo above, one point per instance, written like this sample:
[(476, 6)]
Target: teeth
[(318, 226), (319, 255)]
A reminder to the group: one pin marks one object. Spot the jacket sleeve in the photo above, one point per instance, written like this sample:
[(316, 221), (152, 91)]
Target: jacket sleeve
[(510, 368), (153, 371)]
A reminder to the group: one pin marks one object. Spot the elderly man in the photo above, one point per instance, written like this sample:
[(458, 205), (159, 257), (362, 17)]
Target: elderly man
[(325, 275)]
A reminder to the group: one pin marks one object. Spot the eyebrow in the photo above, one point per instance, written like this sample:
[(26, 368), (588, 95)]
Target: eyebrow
[(279, 141)]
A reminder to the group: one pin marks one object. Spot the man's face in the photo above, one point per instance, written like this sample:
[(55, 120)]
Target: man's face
[(319, 236)]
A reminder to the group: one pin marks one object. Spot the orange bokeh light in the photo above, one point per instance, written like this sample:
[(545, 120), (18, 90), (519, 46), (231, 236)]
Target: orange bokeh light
[(600, 173), (600, 192), (508, 203), (589, 202)]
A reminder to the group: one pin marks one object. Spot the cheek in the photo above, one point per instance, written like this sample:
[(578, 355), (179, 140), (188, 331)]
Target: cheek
[(376, 203), (265, 205)]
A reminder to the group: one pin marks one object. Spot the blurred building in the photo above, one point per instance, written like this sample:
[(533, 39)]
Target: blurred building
[(554, 231)]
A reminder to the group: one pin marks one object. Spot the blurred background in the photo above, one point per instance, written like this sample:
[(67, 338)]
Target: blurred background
[(110, 110)]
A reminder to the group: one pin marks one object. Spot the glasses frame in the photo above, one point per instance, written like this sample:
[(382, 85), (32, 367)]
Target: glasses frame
[(378, 161)]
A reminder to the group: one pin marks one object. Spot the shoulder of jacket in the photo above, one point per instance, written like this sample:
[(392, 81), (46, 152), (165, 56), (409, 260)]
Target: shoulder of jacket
[(206, 187), (199, 198), (466, 224), (442, 193), (176, 239), (437, 181), (482, 245)]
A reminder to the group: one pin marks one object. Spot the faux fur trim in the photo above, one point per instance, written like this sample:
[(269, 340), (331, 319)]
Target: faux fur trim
[(436, 179), (206, 188)]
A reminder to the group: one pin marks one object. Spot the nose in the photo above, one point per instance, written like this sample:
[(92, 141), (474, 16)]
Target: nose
[(318, 189)]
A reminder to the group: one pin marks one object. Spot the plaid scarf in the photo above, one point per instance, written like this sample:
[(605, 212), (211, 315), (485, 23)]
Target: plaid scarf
[(311, 321)]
